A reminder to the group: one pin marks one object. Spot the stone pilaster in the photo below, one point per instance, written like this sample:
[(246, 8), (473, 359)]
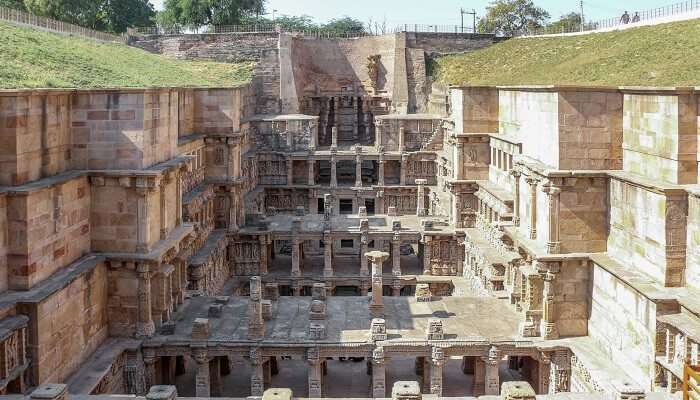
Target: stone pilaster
[(533, 206), (256, 324), (364, 241), (202, 382), (543, 373), (378, 131), (553, 241), (358, 166), (396, 254), (334, 168), (144, 326), (427, 256), (458, 166), (380, 165), (404, 167), (327, 254), (143, 233), (438, 360), (233, 210), (312, 172), (549, 323), (377, 304), (257, 376), (516, 196), (178, 198), (493, 383), (163, 207), (263, 255), (149, 366), (315, 379), (334, 136), (420, 209), (378, 373), (402, 136), (296, 257)]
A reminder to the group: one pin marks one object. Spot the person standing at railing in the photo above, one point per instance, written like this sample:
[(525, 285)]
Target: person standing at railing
[(636, 17), (625, 19)]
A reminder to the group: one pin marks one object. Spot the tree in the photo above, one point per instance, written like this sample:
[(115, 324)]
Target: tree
[(105, 15), (344, 25), (79, 12), (16, 4), (512, 17), (118, 15), (570, 22), (198, 13)]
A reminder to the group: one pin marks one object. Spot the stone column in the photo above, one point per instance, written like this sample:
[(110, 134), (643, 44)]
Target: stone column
[(334, 136), (364, 241), (553, 242), (290, 171), (402, 134), (315, 374), (549, 323), (493, 383), (396, 254), (458, 164), (380, 166), (378, 128), (312, 172), (327, 254), (358, 166), (479, 387), (313, 128), (263, 255), (202, 387), (178, 200), (533, 206), (560, 372), (334, 168), (438, 360), (377, 304), (356, 118), (543, 373), (257, 376), (296, 257), (516, 196), (149, 364), (396, 288), (456, 210), (366, 118), (404, 163), (232, 212), (420, 209), (427, 256), (163, 207), (256, 324), (143, 236), (378, 373), (144, 326)]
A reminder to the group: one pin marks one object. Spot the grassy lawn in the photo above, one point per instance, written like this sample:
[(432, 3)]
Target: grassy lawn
[(36, 59), (662, 55)]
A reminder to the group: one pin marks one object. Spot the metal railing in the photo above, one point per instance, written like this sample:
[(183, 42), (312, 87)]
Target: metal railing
[(24, 18), (691, 382), (634, 17), (423, 28)]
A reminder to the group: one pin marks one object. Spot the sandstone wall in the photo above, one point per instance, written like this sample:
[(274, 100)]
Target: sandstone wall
[(3, 243), (67, 325), (590, 130), (532, 118), (583, 215), (124, 130), (219, 111), (49, 228), (572, 297), (448, 43), (475, 110), (692, 272), (660, 136), (232, 48), (185, 112), (623, 324), (332, 65), (648, 230), (35, 135)]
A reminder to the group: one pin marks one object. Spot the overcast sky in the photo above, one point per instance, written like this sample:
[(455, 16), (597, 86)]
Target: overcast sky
[(398, 12)]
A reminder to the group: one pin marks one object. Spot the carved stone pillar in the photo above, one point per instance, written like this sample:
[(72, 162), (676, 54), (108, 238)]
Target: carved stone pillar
[(296, 257), (378, 373), (378, 130), (263, 255), (313, 127), (202, 383), (560, 372), (380, 166), (420, 209), (315, 374), (438, 360), (327, 254), (479, 387), (149, 364), (543, 373), (377, 304), (290, 171), (334, 136), (553, 241), (516, 196), (404, 164), (402, 134), (178, 198), (396, 255), (312, 173), (257, 376), (427, 256), (457, 210), (233, 210), (144, 326), (143, 235), (364, 241), (533, 206), (334, 168), (396, 288), (458, 166), (358, 167), (493, 383), (549, 323), (163, 207)]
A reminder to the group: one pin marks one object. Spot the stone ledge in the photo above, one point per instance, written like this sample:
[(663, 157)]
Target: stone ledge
[(94, 369)]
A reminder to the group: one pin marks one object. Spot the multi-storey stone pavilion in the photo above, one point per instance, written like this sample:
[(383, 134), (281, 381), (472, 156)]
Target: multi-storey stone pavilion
[(341, 224)]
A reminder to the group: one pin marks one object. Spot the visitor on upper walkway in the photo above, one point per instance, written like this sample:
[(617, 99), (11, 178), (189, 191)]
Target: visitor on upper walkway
[(636, 17), (625, 19)]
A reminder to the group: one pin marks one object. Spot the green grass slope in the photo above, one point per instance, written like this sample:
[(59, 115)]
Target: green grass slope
[(35, 59), (661, 55)]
